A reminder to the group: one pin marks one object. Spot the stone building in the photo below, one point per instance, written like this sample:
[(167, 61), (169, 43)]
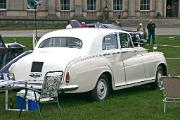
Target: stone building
[(89, 9)]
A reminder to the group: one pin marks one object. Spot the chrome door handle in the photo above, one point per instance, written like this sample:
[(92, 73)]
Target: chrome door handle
[(116, 53), (106, 54)]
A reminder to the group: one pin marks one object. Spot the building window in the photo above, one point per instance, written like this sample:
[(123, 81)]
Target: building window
[(65, 4), (145, 5), (2, 4), (31, 4), (117, 4), (91, 4)]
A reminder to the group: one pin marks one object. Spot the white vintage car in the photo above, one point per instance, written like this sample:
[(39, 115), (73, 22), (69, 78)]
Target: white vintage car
[(97, 60)]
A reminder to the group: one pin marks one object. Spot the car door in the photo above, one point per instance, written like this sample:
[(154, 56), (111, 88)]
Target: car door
[(112, 53), (132, 60)]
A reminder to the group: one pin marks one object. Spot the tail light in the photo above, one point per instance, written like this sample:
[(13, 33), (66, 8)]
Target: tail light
[(67, 77)]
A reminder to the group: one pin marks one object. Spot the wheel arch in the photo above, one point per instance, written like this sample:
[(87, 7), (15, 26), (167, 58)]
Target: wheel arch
[(164, 67), (157, 83), (109, 76), (94, 94)]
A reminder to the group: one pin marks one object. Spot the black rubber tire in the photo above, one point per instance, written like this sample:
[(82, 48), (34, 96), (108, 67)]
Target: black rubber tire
[(103, 87), (157, 83)]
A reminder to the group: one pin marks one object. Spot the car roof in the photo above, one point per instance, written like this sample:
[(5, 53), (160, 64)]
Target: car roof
[(91, 37), (87, 35)]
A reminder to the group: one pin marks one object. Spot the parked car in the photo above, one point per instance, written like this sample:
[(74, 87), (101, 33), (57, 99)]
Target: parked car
[(102, 25), (75, 23), (97, 60), (8, 51), (137, 37)]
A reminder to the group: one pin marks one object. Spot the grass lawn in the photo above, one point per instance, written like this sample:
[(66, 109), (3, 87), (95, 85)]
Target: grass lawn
[(137, 103)]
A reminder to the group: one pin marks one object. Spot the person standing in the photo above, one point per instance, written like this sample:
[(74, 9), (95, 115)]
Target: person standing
[(140, 28), (142, 31), (151, 32)]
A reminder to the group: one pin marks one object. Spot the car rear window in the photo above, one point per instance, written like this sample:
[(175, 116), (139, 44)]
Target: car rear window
[(69, 42)]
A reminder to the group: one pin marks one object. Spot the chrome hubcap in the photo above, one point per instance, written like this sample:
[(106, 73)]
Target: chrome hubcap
[(101, 89)]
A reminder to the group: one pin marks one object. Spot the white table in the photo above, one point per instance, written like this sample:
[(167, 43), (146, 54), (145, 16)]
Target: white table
[(6, 85)]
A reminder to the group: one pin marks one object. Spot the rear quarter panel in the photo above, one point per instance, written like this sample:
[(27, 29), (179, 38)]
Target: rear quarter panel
[(86, 71)]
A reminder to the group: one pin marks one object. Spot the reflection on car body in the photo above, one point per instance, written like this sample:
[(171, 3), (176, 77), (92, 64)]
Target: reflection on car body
[(102, 59)]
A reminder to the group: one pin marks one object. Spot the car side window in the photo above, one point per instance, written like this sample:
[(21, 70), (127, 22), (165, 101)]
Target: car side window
[(125, 40), (110, 42)]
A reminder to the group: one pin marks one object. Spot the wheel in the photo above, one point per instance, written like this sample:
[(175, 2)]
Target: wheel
[(101, 91), (159, 74)]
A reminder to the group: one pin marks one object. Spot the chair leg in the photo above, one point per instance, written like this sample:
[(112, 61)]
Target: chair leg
[(20, 113), (21, 106), (39, 111), (164, 106), (59, 108), (41, 106)]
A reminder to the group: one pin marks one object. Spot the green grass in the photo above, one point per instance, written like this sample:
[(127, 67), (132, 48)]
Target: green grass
[(170, 52), (167, 50), (137, 103)]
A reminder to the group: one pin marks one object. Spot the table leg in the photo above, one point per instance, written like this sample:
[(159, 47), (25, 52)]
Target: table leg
[(6, 99)]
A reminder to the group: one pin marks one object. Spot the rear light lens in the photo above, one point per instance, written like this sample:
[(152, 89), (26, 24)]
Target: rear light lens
[(67, 77)]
